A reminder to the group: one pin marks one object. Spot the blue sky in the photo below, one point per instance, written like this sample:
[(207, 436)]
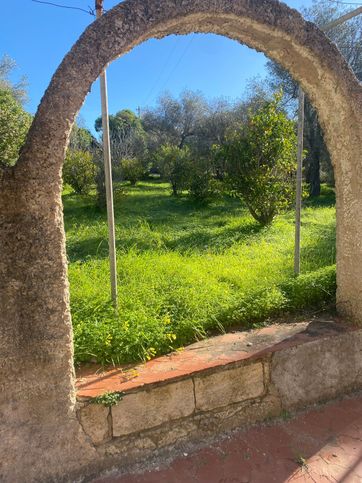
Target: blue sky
[(38, 36)]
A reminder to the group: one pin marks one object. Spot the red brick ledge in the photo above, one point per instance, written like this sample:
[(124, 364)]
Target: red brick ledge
[(219, 384), (220, 351)]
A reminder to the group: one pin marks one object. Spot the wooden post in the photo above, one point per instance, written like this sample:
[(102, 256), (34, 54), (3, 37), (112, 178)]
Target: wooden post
[(108, 175), (298, 201)]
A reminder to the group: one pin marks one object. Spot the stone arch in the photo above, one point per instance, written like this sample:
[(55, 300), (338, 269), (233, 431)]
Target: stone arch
[(37, 403)]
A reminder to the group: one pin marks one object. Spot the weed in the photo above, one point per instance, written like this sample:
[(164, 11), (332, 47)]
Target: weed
[(185, 270), (301, 461), (108, 399), (286, 415)]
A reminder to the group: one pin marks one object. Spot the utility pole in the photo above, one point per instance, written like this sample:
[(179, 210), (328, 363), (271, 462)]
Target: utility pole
[(108, 175), (298, 201)]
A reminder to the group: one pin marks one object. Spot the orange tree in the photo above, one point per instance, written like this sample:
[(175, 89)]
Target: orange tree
[(260, 159)]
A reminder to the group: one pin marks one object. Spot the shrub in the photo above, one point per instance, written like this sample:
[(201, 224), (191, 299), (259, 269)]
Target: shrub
[(14, 125), (174, 164), (79, 171), (132, 170), (261, 161), (202, 184)]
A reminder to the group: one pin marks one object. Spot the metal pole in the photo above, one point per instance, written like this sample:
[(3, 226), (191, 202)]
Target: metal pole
[(340, 20), (108, 175), (298, 202)]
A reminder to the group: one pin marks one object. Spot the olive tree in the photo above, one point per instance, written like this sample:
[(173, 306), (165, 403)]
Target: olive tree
[(174, 120), (18, 89)]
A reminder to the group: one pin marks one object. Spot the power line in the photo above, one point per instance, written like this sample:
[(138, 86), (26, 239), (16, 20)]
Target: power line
[(90, 10), (345, 3), (172, 50), (179, 61)]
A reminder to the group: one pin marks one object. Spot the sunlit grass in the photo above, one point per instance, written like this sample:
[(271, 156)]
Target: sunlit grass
[(185, 269)]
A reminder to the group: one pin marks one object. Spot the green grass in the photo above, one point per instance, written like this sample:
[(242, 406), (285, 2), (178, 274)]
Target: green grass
[(185, 270)]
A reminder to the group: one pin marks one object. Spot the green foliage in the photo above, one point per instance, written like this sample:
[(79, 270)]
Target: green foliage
[(79, 171), (132, 170), (14, 125), (187, 269), (174, 164), (311, 289), (124, 121), (127, 141), (108, 399), (81, 139), (203, 187), (202, 184), (127, 136), (261, 161)]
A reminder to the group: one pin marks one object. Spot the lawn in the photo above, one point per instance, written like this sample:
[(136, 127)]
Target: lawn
[(186, 270)]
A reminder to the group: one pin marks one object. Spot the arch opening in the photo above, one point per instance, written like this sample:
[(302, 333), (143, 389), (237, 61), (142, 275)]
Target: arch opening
[(36, 329)]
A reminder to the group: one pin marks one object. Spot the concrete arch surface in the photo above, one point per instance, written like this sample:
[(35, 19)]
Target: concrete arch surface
[(41, 437)]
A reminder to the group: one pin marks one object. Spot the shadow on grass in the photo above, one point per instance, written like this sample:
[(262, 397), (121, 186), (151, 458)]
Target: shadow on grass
[(151, 219), (321, 249), (196, 241), (327, 198), (201, 240), (159, 211), (89, 249)]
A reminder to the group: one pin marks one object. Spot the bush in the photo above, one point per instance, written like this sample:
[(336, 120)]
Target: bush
[(79, 171), (174, 164), (202, 184), (132, 170), (261, 161), (14, 125)]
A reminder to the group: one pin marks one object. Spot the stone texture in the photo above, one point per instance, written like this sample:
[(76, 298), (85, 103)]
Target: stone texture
[(35, 325), (94, 421), (229, 386), (215, 352), (317, 371), (357, 352), (149, 408), (238, 415)]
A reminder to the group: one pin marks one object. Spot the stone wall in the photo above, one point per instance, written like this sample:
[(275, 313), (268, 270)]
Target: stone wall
[(273, 380)]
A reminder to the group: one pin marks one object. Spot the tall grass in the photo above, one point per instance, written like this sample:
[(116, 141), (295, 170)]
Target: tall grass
[(186, 269)]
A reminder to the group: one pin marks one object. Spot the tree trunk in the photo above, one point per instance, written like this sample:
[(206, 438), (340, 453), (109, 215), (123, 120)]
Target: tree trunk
[(312, 140), (314, 175)]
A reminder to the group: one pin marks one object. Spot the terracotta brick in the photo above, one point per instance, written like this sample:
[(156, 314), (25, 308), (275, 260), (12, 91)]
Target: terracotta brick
[(229, 386), (149, 408)]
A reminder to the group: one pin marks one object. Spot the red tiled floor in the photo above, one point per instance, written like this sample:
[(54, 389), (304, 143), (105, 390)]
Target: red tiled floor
[(322, 445)]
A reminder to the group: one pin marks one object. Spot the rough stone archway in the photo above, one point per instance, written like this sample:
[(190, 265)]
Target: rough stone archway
[(41, 438)]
